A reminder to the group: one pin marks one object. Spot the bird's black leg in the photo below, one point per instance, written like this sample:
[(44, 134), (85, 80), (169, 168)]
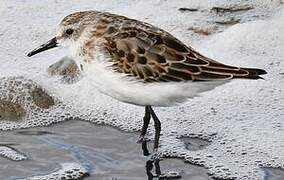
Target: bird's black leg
[(144, 148), (157, 125), (146, 121)]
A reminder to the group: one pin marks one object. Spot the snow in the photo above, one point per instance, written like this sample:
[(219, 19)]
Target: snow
[(242, 119)]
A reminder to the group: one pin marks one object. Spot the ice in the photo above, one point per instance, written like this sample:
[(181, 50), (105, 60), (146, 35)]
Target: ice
[(241, 120)]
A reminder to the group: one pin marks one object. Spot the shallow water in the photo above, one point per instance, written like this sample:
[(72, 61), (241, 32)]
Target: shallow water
[(105, 152)]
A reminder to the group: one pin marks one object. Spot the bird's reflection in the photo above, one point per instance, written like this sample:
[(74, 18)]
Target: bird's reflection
[(150, 164), (154, 162)]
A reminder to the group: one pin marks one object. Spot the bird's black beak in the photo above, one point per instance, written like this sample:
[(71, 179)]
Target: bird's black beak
[(50, 44)]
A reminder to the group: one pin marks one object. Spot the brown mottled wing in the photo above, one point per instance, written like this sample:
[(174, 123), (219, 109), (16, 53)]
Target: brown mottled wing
[(152, 57)]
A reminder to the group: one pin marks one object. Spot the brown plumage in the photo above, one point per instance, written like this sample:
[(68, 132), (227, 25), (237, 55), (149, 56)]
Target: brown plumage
[(153, 55)]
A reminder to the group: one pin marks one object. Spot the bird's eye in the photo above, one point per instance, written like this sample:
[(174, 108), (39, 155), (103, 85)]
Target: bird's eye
[(69, 31)]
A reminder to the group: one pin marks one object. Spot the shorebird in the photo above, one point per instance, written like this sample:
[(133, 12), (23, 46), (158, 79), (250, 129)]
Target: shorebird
[(138, 63)]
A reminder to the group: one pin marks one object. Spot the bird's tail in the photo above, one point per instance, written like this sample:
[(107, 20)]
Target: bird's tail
[(253, 73)]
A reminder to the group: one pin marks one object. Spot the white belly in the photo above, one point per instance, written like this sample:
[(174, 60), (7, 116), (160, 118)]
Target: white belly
[(130, 90)]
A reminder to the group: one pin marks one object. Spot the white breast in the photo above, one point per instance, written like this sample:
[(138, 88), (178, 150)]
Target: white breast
[(130, 90)]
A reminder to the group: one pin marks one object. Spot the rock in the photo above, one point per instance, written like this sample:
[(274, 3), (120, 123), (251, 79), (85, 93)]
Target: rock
[(41, 98), (11, 111), (233, 8), (67, 68), (188, 9), (22, 100), (230, 21), (204, 30), (12, 106), (24, 103)]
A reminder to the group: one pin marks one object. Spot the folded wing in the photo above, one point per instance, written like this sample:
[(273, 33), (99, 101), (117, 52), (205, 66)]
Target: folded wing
[(159, 57)]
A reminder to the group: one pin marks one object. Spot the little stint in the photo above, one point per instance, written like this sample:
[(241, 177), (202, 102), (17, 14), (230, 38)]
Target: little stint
[(138, 63)]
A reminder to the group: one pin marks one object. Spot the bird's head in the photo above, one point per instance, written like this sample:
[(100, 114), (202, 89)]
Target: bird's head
[(73, 29)]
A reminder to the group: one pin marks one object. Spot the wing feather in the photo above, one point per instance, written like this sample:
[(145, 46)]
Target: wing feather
[(158, 56)]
